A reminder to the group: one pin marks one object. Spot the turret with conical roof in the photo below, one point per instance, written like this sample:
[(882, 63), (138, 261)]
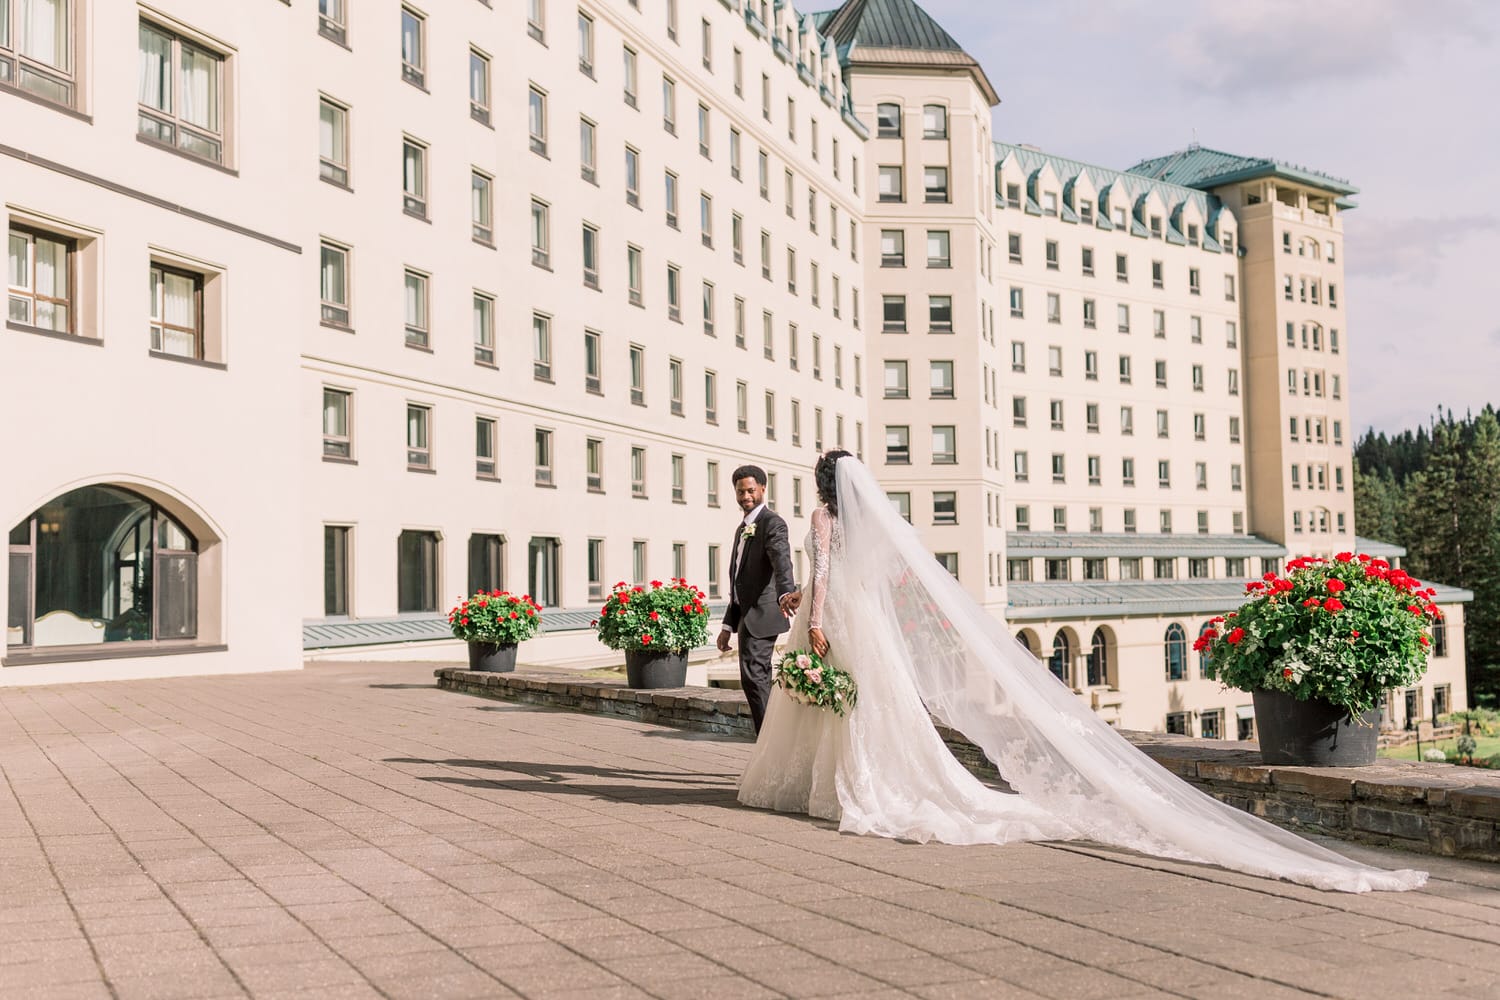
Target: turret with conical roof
[(895, 34)]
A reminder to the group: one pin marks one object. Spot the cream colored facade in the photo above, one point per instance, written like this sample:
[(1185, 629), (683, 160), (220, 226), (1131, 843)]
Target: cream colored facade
[(500, 295)]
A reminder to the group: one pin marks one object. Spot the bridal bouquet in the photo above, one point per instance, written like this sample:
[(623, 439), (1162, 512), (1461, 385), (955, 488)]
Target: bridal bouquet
[(804, 676), (1344, 630), (496, 616)]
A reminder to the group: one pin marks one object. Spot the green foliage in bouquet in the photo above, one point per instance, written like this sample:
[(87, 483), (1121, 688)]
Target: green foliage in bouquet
[(804, 676), (496, 616), (1344, 630), (664, 616)]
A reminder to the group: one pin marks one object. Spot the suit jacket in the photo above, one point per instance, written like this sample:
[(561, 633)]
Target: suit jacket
[(762, 574)]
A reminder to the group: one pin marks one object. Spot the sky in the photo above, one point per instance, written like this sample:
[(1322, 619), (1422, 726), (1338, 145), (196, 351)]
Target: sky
[(1395, 95)]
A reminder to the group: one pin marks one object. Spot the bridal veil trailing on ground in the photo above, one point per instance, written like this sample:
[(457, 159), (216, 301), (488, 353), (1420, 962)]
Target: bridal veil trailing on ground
[(904, 614)]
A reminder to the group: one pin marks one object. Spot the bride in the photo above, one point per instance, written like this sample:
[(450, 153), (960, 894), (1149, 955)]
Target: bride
[(880, 607)]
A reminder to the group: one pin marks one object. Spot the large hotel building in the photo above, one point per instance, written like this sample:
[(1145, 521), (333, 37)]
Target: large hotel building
[(449, 294)]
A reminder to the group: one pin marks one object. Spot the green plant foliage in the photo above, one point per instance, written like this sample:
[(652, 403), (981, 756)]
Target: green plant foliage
[(669, 617), (496, 616), (1344, 630)]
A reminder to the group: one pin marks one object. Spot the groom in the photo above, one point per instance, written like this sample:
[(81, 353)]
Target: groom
[(760, 574)]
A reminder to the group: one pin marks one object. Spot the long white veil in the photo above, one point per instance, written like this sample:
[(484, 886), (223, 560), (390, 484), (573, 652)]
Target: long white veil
[(1048, 745)]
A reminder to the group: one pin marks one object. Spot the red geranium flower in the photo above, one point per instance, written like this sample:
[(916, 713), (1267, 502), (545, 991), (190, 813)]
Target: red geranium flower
[(1414, 609), (1423, 640), (1354, 633), (1335, 585), (1312, 602), (1333, 604), (654, 616), (1235, 636), (1344, 557), (1286, 672), (645, 640)]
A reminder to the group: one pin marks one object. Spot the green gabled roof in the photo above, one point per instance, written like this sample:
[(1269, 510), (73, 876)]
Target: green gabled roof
[(1207, 168), (897, 33), (889, 24)]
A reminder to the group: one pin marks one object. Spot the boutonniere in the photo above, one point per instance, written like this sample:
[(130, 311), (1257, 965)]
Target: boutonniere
[(748, 532)]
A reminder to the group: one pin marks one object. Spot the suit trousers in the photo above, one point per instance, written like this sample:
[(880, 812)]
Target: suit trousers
[(755, 673)]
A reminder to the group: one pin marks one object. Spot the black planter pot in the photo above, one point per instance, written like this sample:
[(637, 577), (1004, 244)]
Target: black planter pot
[(1312, 733), (655, 668), (493, 657)]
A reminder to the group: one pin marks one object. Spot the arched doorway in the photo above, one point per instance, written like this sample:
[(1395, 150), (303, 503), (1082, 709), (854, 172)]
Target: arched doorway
[(1061, 661), (1098, 661), (98, 565)]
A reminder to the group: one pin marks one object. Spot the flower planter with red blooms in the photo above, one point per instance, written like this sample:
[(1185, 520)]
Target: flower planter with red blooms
[(493, 623), (655, 626), (1318, 649)]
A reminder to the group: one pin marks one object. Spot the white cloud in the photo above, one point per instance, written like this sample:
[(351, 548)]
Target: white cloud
[(1411, 250)]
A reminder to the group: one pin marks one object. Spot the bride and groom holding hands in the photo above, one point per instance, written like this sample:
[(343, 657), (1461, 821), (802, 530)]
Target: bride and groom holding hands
[(879, 606)]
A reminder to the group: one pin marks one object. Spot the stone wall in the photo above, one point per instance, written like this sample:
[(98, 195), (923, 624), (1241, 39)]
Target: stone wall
[(1429, 808)]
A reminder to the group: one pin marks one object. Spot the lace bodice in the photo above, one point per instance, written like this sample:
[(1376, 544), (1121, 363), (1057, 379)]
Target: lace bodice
[(826, 534)]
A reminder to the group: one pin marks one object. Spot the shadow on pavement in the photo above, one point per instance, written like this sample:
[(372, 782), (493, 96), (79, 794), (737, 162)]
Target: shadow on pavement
[(557, 773)]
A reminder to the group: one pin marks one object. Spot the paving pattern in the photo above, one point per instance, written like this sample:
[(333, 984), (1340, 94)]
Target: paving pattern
[(350, 831)]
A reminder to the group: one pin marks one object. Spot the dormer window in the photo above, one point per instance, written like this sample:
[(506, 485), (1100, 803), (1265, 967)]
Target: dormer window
[(1049, 203)]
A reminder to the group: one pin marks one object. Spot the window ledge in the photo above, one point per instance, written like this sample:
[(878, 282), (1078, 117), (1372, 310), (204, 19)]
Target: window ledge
[(107, 651), (485, 243), (53, 105), (487, 479), (42, 331), (340, 327), (337, 460), (487, 364), (419, 347), (186, 156), (333, 183), (198, 362), (422, 470), (419, 216)]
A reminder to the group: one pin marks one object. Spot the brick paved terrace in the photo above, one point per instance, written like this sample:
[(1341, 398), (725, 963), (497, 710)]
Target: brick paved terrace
[(351, 831)]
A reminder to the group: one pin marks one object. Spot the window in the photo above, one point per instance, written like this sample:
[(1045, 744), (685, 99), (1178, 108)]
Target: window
[(1161, 374), (484, 329), (485, 457), (1057, 569), (1127, 471), (631, 78), (413, 47), (634, 275), (36, 49), (479, 86), (1122, 268), (708, 309), (335, 571), (481, 208), (176, 312), (1054, 307), (592, 362), (1088, 261), (1156, 268), (1090, 314), (669, 104), (893, 311), (1018, 570), (590, 256), (1017, 356), (1176, 662), (1125, 369), (704, 146), (710, 397), (536, 120), (418, 437), (1197, 372), (414, 177), (1013, 244), (588, 143), (892, 248), (935, 184), (1228, 288), (765, 255), (638, 472), (417, 332), (1178, 722), (949, 562), (181, 99), (742, 407), (337, 441), (1091, 417), (889, 184), (896, 380), (543, 457), (585, 44), (888, 121), (1234, 381), (940, 314), (770, 416), (596, 568), (1127, 420), (541, 347), (672, 20), (938, 254), (944, 445), (1017, 302), (541, 570), (637, 375), (1122, 317), (541, 234), (940, 379), (536, 22), (333, 142), (40, 282), (1054, 361), (674, 293), (897, 445)]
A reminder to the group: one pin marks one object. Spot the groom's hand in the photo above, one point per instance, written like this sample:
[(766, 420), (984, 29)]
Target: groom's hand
[(723, 640), (790, 603)]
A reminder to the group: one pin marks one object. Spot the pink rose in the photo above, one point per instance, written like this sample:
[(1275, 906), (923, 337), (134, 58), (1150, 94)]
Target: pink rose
[(815, 676)]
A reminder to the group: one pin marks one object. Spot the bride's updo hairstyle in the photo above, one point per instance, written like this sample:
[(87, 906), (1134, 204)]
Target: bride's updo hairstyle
[(828, 492)]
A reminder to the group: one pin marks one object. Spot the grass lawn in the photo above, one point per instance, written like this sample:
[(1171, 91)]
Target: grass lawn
[(1488, 746)]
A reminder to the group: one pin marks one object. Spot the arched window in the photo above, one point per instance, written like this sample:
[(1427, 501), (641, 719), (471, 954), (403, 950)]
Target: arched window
[(1440, 638), (1062, 656), (1098, 666), (1203, 653), (1176, 641), (97, 565), (888, 121), (1028, 641)]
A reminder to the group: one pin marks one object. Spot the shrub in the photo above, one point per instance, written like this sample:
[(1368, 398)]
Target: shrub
[(670, 617)]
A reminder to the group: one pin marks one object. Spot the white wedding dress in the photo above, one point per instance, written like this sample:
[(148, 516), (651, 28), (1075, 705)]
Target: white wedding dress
[(920, 649)]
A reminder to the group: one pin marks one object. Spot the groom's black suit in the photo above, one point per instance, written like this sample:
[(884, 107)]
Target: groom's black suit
[(760, 572)]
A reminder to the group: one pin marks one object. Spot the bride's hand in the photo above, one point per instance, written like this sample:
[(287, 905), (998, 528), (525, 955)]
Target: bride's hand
[(819, 644)]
